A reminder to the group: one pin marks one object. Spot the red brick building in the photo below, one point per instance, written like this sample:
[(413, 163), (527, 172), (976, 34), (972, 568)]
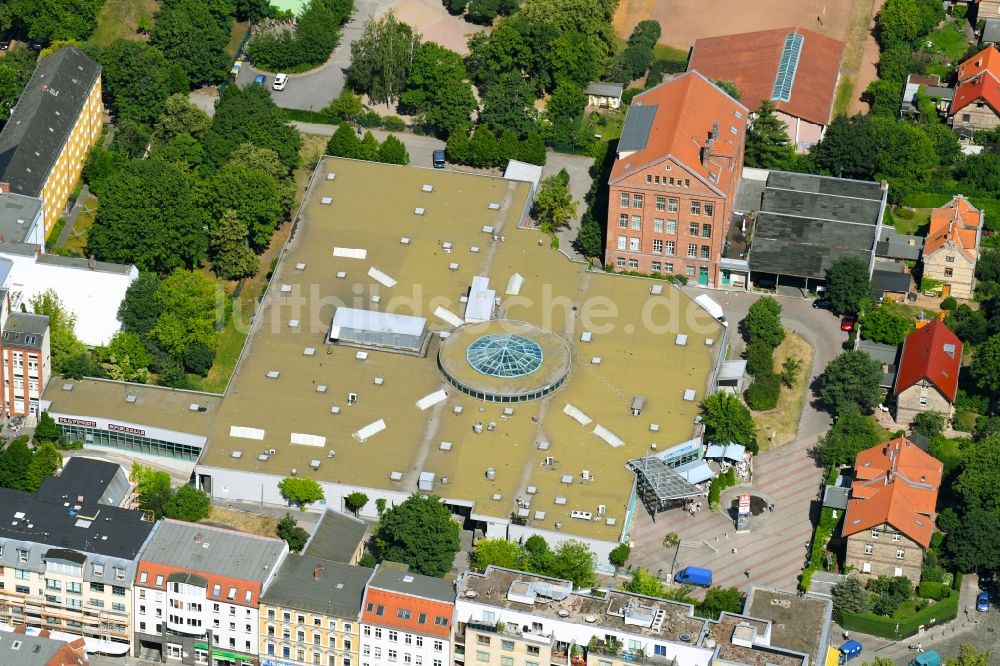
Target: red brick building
[(27, 362), (673, 183)]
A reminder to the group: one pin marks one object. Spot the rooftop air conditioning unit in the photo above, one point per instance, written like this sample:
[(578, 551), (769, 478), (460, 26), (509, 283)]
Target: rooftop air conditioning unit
[(352, 398)]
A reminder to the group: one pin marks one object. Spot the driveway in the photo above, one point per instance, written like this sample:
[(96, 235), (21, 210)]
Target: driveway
[(774, 550), (315, 89)]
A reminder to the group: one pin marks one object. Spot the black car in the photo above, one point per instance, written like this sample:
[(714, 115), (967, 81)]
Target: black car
[(5, 40), (823, 304)]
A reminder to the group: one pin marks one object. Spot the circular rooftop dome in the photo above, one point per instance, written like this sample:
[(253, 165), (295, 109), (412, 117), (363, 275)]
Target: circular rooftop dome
[(504, 355), (504, 361)]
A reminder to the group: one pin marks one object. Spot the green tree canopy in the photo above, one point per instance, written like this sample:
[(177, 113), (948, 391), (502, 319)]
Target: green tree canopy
[(300, 491), (572, 560), (194, 34), (554, 207), (148, 217), (886, 323), (986, 365), (643, 582), (850, 595), (153, 488), (63, 343), (138, 80), (436, 86), (499, 553), (852, 433), (969, 655), (295, 536), (590, 239), (15, 463), (260, 201), (188, 314), (381, 57), (619, 554), (48, 20), (853, 378), (249, 115), (231, 255), (763, 322), (848, 285), (929, 424), (392, 151), (180, 116), (727, 420), (508, 104), (356, 501), (767, 144), (15, 70), (189, 504), (718, 600), (419, 532), (47, 430), (46, 461), (344, 143), (140, 308)]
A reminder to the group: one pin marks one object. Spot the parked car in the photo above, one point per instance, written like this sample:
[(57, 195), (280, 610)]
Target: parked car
[(847, 323), (848, 651), (280, 80), (823, 304), (694, 576), (5, 40), (983, 602), (439, 159), (260, 80), (929, 658)]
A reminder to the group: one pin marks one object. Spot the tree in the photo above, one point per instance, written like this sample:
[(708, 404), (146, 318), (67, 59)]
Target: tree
[(929, 424), (198, 358), (188, 315), (316, 34), (484, 151), (533, 149), (46, 462), (457, 148), (848, 285), (852, 433), (760, 358), (728, 87), (727, 420), (127, 358), (381, 57), (153, 488), (259, 200), (356, 501), (508, 105), (15, 461), (986, 365), (194, 34), (300, 491), (148, 217), (63, 342), (767, 142), (645, 583), (554, 207), (969, 325), (249, 115), (573, 561), (47, 430), (436, 86), (392, 151), (968, 655), (718, 600), (140, 308), (138, 80), (189, 504), (419, 532), (853, 378), (369, 147), (50, 20), (849, 595), (131, 139), (897, 23), (251, 11), (978, 485), (619, 555), (508, 48), (231, 255), (564, 107), (790, 371), (763, 322), (886, 324), (295, 536), (498, 553), (764, 392), (344, 143), (590, 239), (15, 70), (180, 116)]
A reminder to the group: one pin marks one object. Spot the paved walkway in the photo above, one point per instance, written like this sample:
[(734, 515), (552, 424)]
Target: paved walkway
[(73, 214)]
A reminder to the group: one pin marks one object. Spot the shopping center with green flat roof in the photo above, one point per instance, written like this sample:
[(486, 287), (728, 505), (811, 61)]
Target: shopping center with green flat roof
[(415, 338)]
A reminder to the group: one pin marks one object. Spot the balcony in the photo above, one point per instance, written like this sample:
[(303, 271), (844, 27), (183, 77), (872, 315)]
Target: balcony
[(509, 630), (629, 656)]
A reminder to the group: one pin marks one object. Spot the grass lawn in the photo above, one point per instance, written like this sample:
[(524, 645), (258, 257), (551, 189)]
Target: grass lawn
[(917, 225), (606, 123), (783, 420), (845, 94), (119, 19), (77, 239), (676, 57), (235, 37), (948, 41)]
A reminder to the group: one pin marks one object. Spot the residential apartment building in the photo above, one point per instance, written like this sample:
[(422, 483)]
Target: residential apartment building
[(891, 509), (927, 380), (311, 613), (21, 648), (951, 249), (68, 554), (198, 591), (976, 103), (673, 183), (513, 618), (27, 362), (56, 120), (406, 618)]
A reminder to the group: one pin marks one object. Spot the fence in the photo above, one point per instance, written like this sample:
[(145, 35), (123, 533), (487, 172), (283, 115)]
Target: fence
[(887, 627)]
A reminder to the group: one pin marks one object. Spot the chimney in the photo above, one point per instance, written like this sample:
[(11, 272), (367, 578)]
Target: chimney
[(317, 573), (706, 152), (4, 188), (715, 130)]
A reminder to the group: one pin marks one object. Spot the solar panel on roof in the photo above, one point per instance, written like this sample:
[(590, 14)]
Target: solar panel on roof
[(787, 67)]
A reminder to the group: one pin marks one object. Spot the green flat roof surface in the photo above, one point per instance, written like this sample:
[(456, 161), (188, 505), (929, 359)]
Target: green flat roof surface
[(373, 209)]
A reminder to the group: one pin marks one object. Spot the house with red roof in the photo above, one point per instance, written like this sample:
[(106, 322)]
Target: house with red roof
[(674, 181), (927, 379), (952, 247), (976, 105), (891, 509), (795, 69)]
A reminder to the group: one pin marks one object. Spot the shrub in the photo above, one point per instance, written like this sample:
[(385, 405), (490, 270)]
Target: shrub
[(949, 303), (932, 590), (763, 393), (964, 422), (714, 495), (760, 358)]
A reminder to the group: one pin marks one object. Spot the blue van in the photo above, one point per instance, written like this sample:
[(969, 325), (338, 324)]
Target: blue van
[(694, 576), (439, 159), (848, 651)]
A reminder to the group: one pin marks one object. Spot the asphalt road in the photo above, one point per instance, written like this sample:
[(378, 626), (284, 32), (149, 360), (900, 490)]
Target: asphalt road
[(315, 89)]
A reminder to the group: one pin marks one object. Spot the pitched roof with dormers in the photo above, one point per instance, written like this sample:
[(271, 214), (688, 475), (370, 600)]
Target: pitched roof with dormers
[(957, 222), (398, 599), (932, 353), (987, 60), (895, 484), (675, 119), (758, 62), (984, 87)]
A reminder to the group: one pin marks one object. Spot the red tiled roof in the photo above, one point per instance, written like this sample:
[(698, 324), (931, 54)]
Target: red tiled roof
[(686, 108), (419, 614), (750, 60), (895, 484), (987, 60), (154, 575), (958, 221), (985, 87), (925, 357)]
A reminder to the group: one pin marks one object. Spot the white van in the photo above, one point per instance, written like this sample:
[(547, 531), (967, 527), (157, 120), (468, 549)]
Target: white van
[(279, 81)]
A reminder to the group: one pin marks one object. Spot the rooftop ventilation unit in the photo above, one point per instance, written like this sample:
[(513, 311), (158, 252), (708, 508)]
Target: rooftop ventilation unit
[(331, 176), (427, 188)]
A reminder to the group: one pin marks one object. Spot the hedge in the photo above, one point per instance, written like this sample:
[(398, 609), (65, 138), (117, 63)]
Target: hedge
[(763, 393), (935, 591), (885, 627)]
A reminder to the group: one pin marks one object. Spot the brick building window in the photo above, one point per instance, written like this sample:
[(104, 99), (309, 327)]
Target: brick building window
[(709, 209), (693, 228), (658, 225), (670, 248), (633, 263), (661, 203), (623, 221), (692, 250), (705, 251), (696, 208), (706, 231), (620, 262), (655, 267), (657, 246), (672, 205), (869, 549), (636, 201), (621, 242), (668, 268), (633, 244), (671, 226), (625, 199), (900, 553), (636, 222), (689, 271)]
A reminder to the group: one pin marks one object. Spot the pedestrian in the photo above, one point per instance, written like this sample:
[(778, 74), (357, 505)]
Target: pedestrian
[(747, 573), (847, 635), (734, 551), (920, 647)]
